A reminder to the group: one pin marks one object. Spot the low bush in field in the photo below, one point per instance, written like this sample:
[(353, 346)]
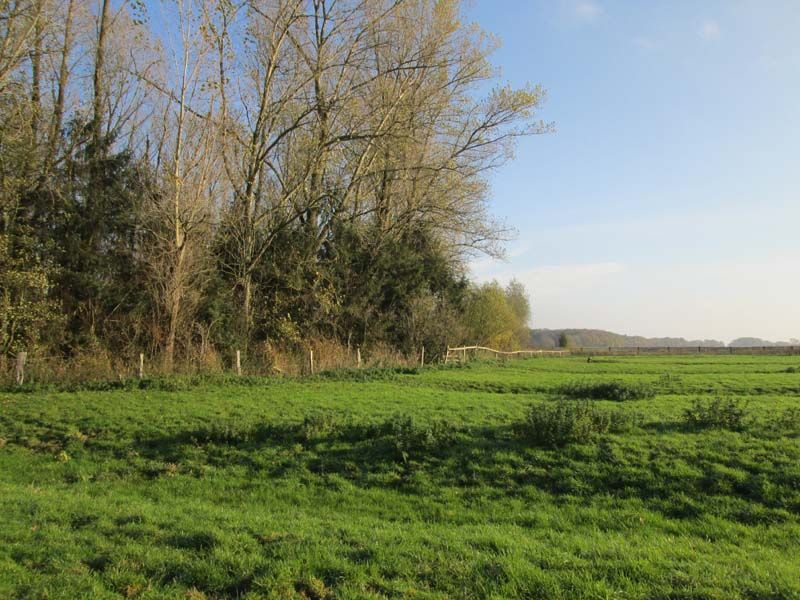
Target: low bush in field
[(322, 425), (412, 440), (718, 413), (607, 390), (401, 437), (785, 423), (568, 421)]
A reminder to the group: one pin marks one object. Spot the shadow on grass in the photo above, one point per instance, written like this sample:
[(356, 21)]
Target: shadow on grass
[(417, 459)]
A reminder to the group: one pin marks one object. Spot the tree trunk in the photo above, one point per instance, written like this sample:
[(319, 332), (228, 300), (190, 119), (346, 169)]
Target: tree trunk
[(36, 75), (63, 76), (247, 307), (98, 78)]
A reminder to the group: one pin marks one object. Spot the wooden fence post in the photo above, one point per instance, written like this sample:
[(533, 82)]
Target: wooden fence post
[(447, 355), (141, 365), (422, 358), (311, 360), (358, 357), (19, 372), (238, 362)]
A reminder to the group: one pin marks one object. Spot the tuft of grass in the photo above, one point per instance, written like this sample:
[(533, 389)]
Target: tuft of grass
[(718, 413), (566, 421), (410, 439), (785, 423), (616, 390)]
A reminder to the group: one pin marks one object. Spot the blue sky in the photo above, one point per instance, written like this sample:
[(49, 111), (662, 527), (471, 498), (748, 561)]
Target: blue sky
[(667, 201)]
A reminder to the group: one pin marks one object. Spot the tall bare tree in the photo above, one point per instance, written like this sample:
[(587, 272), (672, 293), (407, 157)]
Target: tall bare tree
[(19, 22), (262, 114), (179, 214)]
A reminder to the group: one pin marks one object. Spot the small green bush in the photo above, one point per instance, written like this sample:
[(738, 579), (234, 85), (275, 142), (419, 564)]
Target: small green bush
[(718, 413), (412, 440), (607, 390), (785, 423), (320, 425), (569, 421)]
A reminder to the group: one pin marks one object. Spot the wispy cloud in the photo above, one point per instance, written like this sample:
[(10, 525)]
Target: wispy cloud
[(710, 31), (564, 278), (550, 279), (587, 11)]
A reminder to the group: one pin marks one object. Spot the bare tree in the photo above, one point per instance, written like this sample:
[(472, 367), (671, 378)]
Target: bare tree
[(179, 214), (61, 85), (262, 113), (20, 20), (98, 80), (441, 139)]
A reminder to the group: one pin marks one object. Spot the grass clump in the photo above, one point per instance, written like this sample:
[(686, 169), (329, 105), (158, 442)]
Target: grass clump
[(411, 440), (785, 423), (718, 413), (615, 390), (569, 421), (320, 425)]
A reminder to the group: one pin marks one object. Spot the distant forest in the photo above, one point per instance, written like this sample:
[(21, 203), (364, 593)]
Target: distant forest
[(597, 338), (250, 175)]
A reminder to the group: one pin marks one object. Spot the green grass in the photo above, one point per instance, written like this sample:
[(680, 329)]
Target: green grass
[(416, 484)]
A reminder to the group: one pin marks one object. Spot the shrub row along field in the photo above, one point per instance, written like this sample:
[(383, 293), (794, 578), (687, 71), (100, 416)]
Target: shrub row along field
[(656, 477)]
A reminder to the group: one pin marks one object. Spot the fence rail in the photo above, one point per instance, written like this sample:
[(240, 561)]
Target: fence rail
[(460, 352), (32, 368)]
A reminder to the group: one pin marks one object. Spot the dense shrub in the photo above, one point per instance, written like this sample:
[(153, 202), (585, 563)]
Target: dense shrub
[(607, 390), (569, 421), (718, 413)]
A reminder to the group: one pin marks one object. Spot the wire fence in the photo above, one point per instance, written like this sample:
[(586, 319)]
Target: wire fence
[(685, 350), (32, 368), (464, 353)]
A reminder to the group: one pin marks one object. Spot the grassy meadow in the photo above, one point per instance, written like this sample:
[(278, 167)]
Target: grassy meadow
[(626, 477)]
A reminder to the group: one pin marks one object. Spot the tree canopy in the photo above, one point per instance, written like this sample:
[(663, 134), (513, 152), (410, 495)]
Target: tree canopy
[(251, 172)]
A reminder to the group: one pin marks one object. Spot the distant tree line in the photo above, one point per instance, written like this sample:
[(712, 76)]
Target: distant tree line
[(597, 338), (750, 342), (232, 173)]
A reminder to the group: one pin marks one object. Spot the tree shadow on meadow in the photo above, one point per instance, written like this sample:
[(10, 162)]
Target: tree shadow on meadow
[(417, 458)]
